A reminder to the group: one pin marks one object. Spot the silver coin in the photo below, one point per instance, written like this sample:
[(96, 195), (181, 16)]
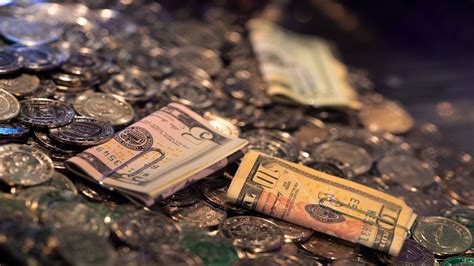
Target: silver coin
[(13, 130), (386, 116), (41, 58), (373, 143), (31, 32), (61, 183), (215, 191), (312, 131), (253, 233), (406, 171), (222, 124), (442, 236), (107, 107), (201, 215), (83, 131), (187, 196), (273, 142), (196, 33), (195, 95), (413, 253), (24, 165), (177, 258), (324, 246), (9, 106), (21, 85), (292, 232), (82, 62), (200, 57), (422, 203), (45, 141), (280, 117), (10, 61), (461, 189), (45, 113), (357, 158), (46, 89), (15, 208)]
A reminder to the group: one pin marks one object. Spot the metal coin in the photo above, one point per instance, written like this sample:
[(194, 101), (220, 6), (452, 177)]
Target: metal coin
[(222, 124), (200, 57), (461, 188), (41, 58), (31, 32), (413, 253), (465, 216), (273, 142), (45, 141), (422, 203), (83, 131), (45, 113), (331, 166), (13, 130), (280, 117), (201, 215), (187, 196), (16, 209), (107, 107), (386, 116), (82, 62), (324, 246), (159, 65), (278, 260), (292, 232), (46, 89), (178, 258), (196, 95), (354, 156), (215, 191), (196, 33), (21, 85), (10, 61), (442, 236), (461, 261), (253, 233), (9, 106), (61, 183), (373, 143), (406, 171), (24, 165), (312, 131)]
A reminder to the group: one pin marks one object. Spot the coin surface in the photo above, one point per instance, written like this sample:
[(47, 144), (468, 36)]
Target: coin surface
[(222, 124), (413, 253), (83, 131), (107, 107), (273, 142), (45, 113), (9, 106), (214, 191), (196, 33), (10, 61), (312, 131), (41, 58), (82, 62), (461, 188), (292, 232), (13, 130), (196, 95), (20, 85), (464, 215), (386, 116), (442, 236), (31, 32), (252, 233), (201, 215), (61, 183), (406, 171), (422, 203), (328, 247), (461, 261)]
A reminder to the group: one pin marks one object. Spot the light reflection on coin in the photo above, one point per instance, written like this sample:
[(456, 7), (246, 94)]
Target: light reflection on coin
[(10, 61), (45, 113), (328, 247), (20, 85), (406, 171), (273, 142), (386, 116), (83, 131), (9, 106), (200, 215), (31, 32), (41, 58)]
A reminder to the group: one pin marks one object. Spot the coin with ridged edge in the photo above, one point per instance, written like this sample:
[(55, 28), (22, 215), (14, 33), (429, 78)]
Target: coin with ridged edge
[(9, 106), (45, 113), (10, 61), (83, 131)]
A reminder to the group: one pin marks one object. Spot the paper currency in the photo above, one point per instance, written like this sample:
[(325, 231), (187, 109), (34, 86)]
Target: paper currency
[(325, 203), (158, 155), (300, 68)]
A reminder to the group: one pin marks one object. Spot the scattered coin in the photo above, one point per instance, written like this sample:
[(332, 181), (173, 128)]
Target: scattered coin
[(222, 124), (406, 171), (201, 215), (41, 58), (328, 247), (273, 142), (292, 232), (387, 116), (200, 57), (31, 32), (465, 216), (20, 85), (214, 191), (9, 106), (83, 131), (413, 253), (10, 61), (45, 113)]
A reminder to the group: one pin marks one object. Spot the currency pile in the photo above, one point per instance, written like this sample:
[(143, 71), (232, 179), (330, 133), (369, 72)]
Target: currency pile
[(77, 80)]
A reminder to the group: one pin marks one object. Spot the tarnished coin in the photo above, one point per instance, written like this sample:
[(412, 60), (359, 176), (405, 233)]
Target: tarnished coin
[(9, 106), (84, 248), (311, 132), (201, 215), (324, 246), (222, 124), (273, 142), (83, 131), (292, 232), (10, 61), (141, 228), (31, 32), (253, 234), (406, 171), (20, 85), (461, 261), (215, 191), (386, 116), (107, 107), (413, 253), (200, 57), (442, 236), (24, 165), (465, 216), (41, 58), (13, 130), (357, 158), (45, 113), (422, 203)]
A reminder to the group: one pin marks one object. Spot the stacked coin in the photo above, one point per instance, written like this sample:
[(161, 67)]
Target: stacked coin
[(73, 74)]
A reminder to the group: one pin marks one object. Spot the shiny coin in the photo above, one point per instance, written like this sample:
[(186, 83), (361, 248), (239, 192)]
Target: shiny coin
[(292, 232), (156, 64), (24, 165), (406, 171), (223, 125), (10, 61), (140, 229), (41, 58), (253, 233), (107, 107), (196, 33), (200, 57), (413, 253), (273, 142), (21, 85), (9, 106), (45, 141), (422, 203), (280, 117), (465, 216), (46, 89), (442, 236), (354, 156), (196, 95), (374, 143), (201, 215), (83, 131), (461, 261), (45, 113), (332, 167), (215, 191), (386, 116), (82, 62), (31, 32), (324, 246), (312, 131), (61, 183)]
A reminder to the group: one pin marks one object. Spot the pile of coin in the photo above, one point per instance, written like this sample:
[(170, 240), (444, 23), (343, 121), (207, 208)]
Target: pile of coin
[(73, 74)]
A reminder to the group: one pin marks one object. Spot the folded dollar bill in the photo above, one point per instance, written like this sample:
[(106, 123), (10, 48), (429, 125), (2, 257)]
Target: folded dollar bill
[(300, 69), (158, 155), (324, 203)]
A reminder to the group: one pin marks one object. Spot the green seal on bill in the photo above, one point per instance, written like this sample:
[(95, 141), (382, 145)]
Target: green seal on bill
[(458, 261)]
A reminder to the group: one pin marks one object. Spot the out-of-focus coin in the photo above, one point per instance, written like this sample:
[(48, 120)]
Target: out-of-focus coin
[(215, 191), (46, 89), (312, 131), (83, 131), (107, 107), (413, 253), (16, 209), (292, 232), (41, 58), (187, 196), (159, 65), (141, 228), (373, 143), (222, 124), (45, 113), (277, 260), (253, 234), (201, 215), (82, 62), (200, 57), (406, 171), (386, 116), (13, 130), (61, 183), (442, 236), (324, 246), (196, 95), (10, 61), (24, 165), (280, 117), (84, 248), (196, 33), (9, 106), (461, 261), (422, 203), (354, 156), (31, 32), (45, 141), (20, 85), (273, 142), (461, 188)]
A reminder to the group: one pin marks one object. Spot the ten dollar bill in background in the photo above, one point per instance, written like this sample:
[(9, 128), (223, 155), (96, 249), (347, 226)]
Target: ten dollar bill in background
[(158, 155), (313, 199)]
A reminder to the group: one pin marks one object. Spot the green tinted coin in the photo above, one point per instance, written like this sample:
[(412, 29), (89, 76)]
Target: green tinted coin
[(458, 261), (463, 215)]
